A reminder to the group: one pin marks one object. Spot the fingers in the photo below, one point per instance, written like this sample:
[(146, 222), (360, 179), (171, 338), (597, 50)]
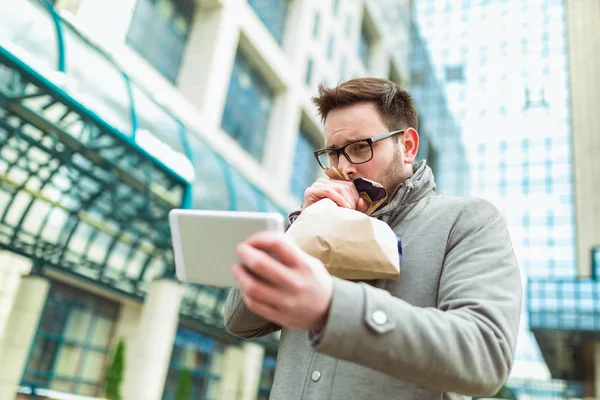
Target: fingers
[(255, 258), (315, 194), (255, 291), (278, 246), (264, 310), (343, 193)]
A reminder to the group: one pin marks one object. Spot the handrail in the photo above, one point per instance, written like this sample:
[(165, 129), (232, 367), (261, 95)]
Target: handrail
[(134, 119), (59, 34)]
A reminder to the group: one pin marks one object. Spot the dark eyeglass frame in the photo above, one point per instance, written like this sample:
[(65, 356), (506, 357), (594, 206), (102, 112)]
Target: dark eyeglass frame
[(370, 141)]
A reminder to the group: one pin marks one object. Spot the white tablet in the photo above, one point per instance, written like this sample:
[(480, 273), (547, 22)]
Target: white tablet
[(204, 242)]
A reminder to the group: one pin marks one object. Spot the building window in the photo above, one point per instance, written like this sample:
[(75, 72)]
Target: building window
[(70, 352), (348, 25), (248, 106), (199, 357), (159, 32), (455, 73), (273, 13), (365, 45), (343, 67), (336, 7), (535, 98), (267, 376), (305, 168), (330, 46), (418, 77), (316, 24), (309, 69)]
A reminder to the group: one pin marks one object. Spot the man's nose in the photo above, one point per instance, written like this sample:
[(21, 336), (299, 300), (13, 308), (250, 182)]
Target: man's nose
[(346, 165)]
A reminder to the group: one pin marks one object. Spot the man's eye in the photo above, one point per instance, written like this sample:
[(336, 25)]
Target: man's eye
[(360, 147)]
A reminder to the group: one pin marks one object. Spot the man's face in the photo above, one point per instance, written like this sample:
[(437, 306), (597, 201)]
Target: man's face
[(390, 165)]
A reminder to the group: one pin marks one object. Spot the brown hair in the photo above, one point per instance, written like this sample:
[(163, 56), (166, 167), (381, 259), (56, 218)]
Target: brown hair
[(394, 103)]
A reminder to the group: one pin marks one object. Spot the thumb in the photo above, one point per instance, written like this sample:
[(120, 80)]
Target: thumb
[(361, 205)]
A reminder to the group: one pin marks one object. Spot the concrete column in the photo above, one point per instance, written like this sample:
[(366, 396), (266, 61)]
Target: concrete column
[(11, 269), (584, 67), (150, 343), (299, 22), (128, 323), (240, 373), (281, 141), (208, 61), (94, 15), (20, 333)]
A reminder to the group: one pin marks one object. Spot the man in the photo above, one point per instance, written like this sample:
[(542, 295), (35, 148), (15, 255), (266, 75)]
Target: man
[(445, 329)]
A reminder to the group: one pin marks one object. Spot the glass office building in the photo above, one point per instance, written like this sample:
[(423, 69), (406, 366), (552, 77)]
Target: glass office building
[(441, 139), (504, 67)]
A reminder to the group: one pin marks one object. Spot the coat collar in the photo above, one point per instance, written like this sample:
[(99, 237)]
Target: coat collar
[(419, 186)]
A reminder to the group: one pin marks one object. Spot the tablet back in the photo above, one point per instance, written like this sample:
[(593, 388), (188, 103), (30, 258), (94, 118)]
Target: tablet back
[(204, 242)]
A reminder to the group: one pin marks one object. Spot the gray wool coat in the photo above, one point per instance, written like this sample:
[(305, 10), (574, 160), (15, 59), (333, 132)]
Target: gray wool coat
[(446, 329)]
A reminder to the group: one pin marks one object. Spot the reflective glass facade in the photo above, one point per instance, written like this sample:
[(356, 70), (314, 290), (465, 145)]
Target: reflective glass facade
[(507, 85), (565, 304), (441, 140), (248, 106)]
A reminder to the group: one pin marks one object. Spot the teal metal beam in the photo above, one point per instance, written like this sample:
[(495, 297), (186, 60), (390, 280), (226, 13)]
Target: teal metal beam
[(229, 180), (34, 78), (187, 198)]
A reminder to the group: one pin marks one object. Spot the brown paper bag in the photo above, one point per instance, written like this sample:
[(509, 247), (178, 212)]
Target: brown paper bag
[(351, 244)]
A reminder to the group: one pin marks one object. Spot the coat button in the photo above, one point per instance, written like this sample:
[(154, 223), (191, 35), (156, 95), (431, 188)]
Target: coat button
[(316, 375), (379, 317)]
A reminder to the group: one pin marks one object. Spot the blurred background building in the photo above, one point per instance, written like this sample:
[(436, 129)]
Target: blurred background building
[(113, 112), (506, 71)]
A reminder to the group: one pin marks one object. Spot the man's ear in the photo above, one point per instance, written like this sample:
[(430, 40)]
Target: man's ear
[(410, 140)]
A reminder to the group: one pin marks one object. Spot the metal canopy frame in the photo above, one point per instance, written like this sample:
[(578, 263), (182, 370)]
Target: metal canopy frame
[(81, 197), (89, 181)]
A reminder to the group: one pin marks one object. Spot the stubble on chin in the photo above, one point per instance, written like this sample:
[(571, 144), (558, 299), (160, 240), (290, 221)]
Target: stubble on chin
[(393, 176)]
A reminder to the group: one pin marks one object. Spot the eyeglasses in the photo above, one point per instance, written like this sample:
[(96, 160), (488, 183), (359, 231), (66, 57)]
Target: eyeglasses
[(356, 152)]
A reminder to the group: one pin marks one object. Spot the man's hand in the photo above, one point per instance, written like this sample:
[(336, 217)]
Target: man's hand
[(282, 283), (343, 193)]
